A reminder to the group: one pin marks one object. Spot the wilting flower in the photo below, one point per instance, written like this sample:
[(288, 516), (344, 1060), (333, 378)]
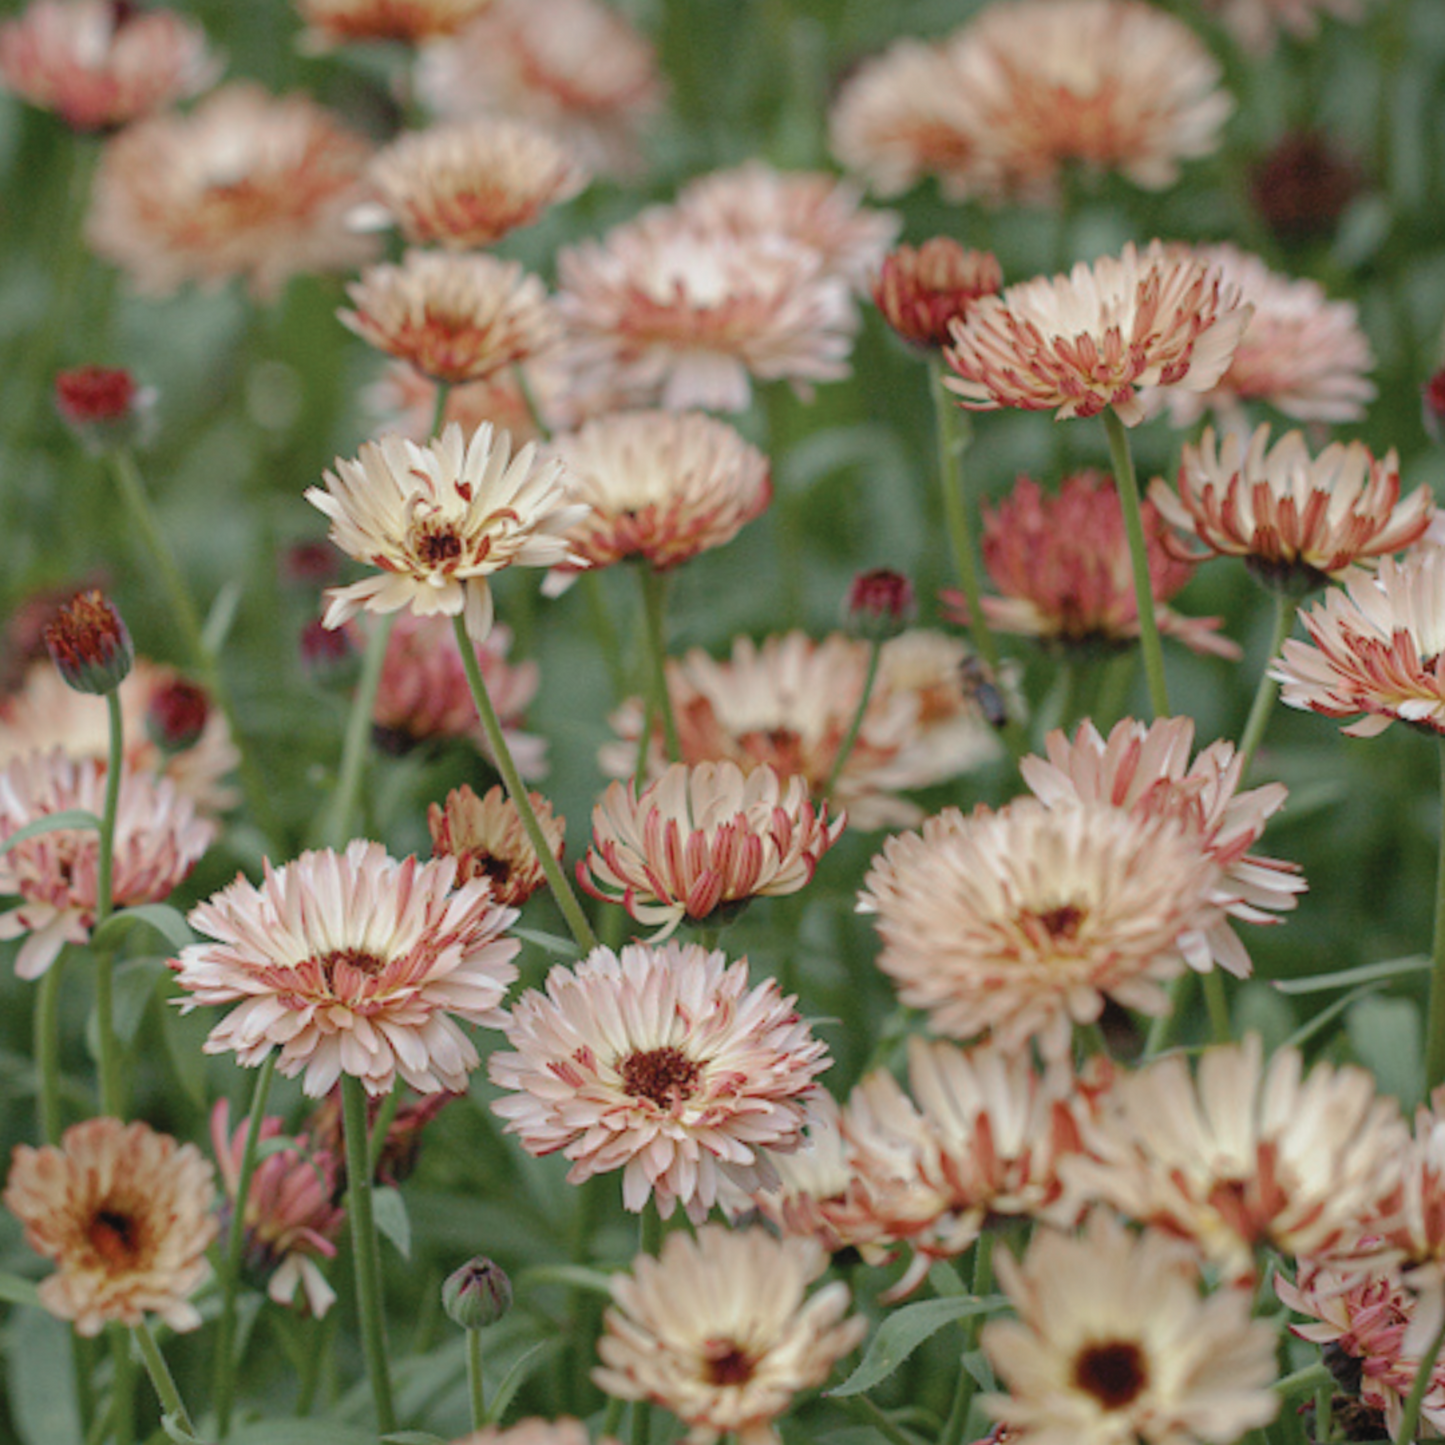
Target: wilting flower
[(126, 1215), (158, 840), (1076, 344), (1146, 771), (455, 318), (659, 486), (352, 963), (703, 839), (335, 22), (1296, 520), (663, 1063), (99, 64), (1113, 1343), (1062, 564), (90, 644), (438, 520), (1377, 646), (576, 67), (1248, 1153), (1303, 185), (1021, 923), (719, 1330), (289, 1215), (683, 315), (245, 185), (919, 291), (103, 406), (487, 839), (1255, 24), (468, 185)]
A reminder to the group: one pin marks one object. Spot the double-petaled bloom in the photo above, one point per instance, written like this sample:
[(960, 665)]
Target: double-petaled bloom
[(663, 1063), (410, 22), (920, 290), (1096, 337), (438, 520), (488, 840), (353, 963)]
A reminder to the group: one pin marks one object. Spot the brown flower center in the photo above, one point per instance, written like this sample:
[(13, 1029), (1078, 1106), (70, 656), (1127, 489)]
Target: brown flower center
[(436, 549), (725, 1362), (1114, 1372), (115, 1237), (666, 1076), (368, 963)]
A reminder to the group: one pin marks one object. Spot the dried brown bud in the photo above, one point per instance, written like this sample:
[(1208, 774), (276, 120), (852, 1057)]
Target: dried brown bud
[(920, 291), (89, 643)]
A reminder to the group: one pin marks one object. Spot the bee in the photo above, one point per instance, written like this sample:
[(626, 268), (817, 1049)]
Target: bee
[(981, 690)]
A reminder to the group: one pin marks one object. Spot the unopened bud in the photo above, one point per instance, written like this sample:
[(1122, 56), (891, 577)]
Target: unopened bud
[(920, 291), (879, 605), (1433, 407), (478, 1294), (177, 715), (89, 644), (103, 406)]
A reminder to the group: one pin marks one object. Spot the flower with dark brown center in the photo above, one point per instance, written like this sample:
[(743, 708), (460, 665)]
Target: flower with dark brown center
[(486, 837), (89, 644)]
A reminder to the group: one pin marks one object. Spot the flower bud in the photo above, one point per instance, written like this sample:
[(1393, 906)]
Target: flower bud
[(1303, 187), (1432, 398), (478, 1294), (920, 291), (879, 605), (177, 715), (89, 643), (103, 406)]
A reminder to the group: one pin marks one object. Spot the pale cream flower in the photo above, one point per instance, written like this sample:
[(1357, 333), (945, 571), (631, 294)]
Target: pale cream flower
[(126, 1214), (352, 963), (487, 839), (1094, 338), (439, 520), (1021, 923), (703, 839), (411, 22), (720, 1330), (663, 1063), (99, 65), (245, 185), (1114, 1344), (1256, 24)]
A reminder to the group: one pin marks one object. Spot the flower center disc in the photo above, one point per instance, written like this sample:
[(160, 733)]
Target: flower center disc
[(1114, 1372), (666, 1076), (726, 1363), (115, 1238)]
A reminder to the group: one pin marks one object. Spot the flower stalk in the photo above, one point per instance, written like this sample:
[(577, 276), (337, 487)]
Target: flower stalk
[(1268, 690), (1435, 1035), (850, 738), (165, 1386), (341, 815), (654, 607), (111, 1088)]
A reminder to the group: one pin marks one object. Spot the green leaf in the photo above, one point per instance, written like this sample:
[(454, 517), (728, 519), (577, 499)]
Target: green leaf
[(552, 942), (389, 1209), (70, 818), (1349, 977), (17, 1291), (516, 1377), (169, 922), (184, 1034), (576, 1276), (301, 1432), (902, 1333), (1385, 1035), (41, 1380), (177, 1432), (1326, 1017), (222, 615)]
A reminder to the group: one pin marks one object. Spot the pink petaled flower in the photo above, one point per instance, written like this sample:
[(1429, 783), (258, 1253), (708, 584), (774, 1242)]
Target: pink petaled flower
[(1146, 771), (289, 1216), (246, 185), (126, 1214), (1095, 338), (811, 207), (487, 838), (438, 520), (1377, 647), (158, 840), (1256, 24), (101, 64), (1062, 564), (919, 291), (703, 840), (411, 22), (659, 486), (576, 67), (1020, 924), (424, 696), (685, 315), (1296, 520), (352, 963), (663, 1063)]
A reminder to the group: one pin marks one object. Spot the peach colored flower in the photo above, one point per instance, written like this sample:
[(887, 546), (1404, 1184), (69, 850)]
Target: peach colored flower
[(663, 1063), (1061, 562), (126, 1214), (411, 22), (659, 486), (1256, 24), (1021, 923), (159, 838), (438, 520), (1094, 338), (245, 185), (352, 963), (704, 839), (99, 65), (487, 839), (718, 1329), (920, 290), (1145, 770)]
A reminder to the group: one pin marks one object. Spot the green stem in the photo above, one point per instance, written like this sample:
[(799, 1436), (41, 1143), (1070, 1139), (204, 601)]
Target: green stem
[(364, 1251), (1302, 1382), (963, 1394), (1405, 1435), (439, 407), (649, 1239), (356, 747), (155, 1362), (1163, 1024), (224, 1388), (1216, 1000), (47, 1050), (1139, 559), (111, 1089), (611, 1418), (1435, 1045), (517, 790), (654, 607), (875, 656), (864, 1409), (381, 1127), (122, 1389), (476, 1388), (1284, 612), (1114, 690)]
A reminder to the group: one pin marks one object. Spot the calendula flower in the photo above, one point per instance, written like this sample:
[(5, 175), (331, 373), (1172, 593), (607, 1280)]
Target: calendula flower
[(1021, 923), (411, 22), (352, 963), (703, 839), (661, 1062), (720, 1330), (100, 65), (920, 290), (658, 486), (159, 838), (487, 839), (246, 185), (1114, 1344), (126, 1214), (1094, 338), (438, 520), (1256, 24), (1296, 520)]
